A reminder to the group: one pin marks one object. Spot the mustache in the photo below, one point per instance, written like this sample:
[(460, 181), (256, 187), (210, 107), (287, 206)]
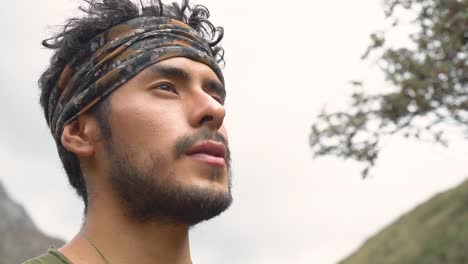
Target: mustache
[(185, 142)]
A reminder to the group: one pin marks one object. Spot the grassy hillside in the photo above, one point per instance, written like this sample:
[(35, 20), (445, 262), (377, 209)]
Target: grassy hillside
[(435, 232)]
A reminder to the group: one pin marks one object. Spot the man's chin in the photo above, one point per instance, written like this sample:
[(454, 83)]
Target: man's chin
[(196, 204), (184, 196), (147, 201)]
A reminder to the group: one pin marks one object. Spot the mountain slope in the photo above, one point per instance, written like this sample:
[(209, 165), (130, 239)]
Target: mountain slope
[(434, 232), (19, 237)]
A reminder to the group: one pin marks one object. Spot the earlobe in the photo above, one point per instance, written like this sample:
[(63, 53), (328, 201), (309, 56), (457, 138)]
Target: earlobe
[(76, 139)]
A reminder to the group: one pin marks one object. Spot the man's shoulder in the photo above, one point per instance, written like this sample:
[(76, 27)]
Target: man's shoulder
[(51, 257)]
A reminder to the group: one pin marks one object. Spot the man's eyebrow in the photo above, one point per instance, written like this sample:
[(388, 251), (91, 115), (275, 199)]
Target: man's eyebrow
[(178, 73), (215, 87), (170, 72)]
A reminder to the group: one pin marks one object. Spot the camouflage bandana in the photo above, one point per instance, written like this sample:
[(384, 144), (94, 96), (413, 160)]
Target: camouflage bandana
[(117, 55)]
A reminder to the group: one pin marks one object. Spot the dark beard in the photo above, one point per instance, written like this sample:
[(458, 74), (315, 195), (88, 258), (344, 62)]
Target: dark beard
[(149, 196)]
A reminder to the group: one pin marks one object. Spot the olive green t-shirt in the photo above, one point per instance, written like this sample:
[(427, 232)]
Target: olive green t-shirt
[(51, 257)]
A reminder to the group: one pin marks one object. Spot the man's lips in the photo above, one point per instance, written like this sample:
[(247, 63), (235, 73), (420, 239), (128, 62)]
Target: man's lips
[(210, 152)]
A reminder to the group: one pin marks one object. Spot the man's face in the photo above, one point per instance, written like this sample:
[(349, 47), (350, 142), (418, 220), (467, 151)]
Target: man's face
[(167, 155)]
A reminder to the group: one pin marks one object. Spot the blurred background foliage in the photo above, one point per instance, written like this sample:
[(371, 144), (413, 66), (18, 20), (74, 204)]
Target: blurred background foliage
[(429, 80)]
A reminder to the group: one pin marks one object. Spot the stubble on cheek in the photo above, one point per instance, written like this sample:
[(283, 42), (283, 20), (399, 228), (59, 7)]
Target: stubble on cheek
[(135, 184), (216, 173)]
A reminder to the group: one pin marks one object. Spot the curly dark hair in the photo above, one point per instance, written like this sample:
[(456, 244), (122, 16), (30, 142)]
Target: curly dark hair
[(101, 15)]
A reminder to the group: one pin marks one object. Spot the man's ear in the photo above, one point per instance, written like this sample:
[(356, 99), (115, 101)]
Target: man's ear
[(78, 136)]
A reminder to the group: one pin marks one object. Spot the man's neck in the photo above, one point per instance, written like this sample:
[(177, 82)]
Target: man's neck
[(121, 240)]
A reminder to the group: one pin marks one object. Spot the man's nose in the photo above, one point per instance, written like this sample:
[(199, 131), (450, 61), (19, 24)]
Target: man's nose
[(206, 111)]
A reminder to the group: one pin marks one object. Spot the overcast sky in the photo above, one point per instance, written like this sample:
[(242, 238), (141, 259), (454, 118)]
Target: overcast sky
[(285, 61)]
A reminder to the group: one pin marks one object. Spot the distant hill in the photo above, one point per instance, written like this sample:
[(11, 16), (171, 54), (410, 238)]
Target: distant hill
[(435, 232), (19, 237)]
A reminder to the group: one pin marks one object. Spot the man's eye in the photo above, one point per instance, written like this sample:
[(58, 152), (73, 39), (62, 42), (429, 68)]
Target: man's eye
[(165, 87)]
